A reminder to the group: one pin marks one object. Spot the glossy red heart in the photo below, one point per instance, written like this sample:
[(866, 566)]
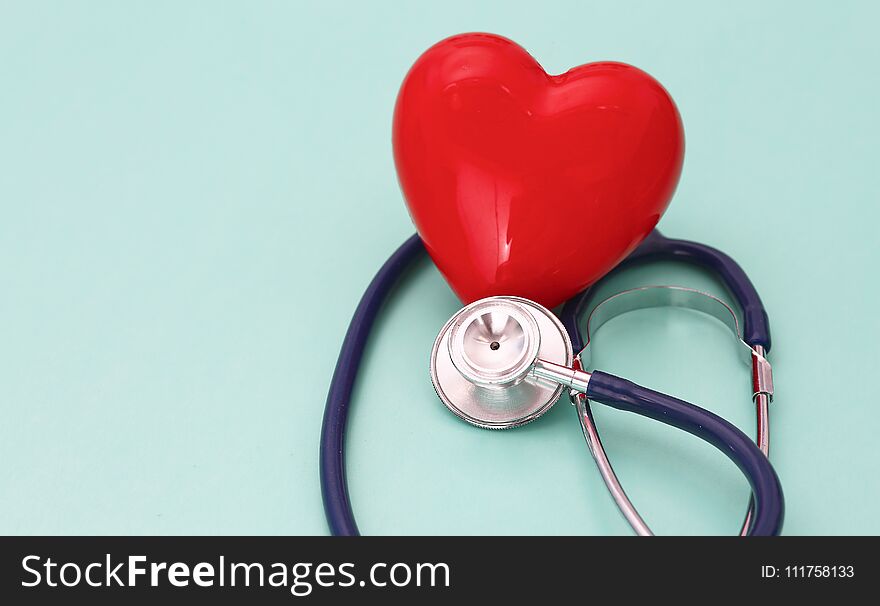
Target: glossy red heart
[(523, 183)]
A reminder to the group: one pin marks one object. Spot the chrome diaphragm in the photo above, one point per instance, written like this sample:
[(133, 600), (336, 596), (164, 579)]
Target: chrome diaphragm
[(483, 359)]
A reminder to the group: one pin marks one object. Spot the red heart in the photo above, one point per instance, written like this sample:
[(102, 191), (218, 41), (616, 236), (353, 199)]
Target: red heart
[(523, 183)]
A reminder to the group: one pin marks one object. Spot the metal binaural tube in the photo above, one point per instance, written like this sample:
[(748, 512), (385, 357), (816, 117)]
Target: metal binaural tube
[(594, 443), (762, 413)]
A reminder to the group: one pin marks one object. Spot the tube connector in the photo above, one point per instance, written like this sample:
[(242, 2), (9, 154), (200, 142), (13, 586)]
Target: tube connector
[(577, 380), (762, 374)]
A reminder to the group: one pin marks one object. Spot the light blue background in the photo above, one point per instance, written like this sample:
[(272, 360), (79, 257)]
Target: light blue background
[(194, 195)]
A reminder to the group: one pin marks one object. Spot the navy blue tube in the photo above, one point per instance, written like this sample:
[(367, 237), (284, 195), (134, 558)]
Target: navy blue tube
[(605, 388), (769, 508), (756, 324), (334, 487)]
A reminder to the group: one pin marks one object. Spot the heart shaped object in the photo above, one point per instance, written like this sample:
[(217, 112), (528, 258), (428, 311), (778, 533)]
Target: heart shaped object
[(522, 183)]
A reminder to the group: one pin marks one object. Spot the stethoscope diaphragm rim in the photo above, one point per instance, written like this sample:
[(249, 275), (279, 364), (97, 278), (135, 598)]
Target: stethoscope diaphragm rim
[(515, 400)]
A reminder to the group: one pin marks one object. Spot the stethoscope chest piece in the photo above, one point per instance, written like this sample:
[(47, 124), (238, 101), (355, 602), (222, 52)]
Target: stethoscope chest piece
[(482, 360)]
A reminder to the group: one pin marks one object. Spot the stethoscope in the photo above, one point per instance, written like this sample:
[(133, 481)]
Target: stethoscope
[(503, 361)]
